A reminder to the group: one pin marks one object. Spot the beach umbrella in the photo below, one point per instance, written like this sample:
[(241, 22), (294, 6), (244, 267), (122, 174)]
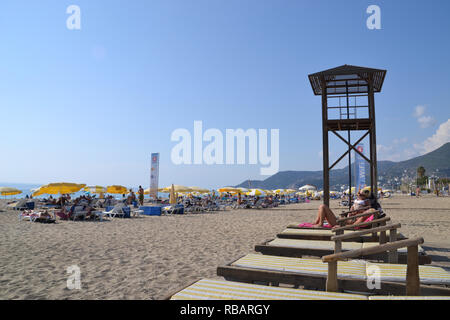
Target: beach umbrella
[(229, 189), (58, 188), (347, 191), (116, 189), (369, 188), (95, 189), (176, 188), (256, 192), (307, 187), (279, 191), (243, 190), (8, 191), (289, 191), (199, 190)]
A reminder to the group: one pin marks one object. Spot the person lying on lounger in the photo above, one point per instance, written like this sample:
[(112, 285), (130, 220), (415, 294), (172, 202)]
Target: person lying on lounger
[(325, 212)]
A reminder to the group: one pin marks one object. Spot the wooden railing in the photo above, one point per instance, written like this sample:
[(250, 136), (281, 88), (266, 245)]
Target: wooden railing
[(412, 271)]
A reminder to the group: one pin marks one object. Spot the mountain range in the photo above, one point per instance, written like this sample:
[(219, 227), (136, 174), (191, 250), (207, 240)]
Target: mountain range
[(436, 162)]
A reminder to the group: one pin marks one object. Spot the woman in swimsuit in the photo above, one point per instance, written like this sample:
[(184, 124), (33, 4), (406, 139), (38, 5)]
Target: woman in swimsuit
[(325, 213)]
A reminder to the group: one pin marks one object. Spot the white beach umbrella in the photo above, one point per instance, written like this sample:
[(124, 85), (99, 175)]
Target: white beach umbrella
[(307, 187)]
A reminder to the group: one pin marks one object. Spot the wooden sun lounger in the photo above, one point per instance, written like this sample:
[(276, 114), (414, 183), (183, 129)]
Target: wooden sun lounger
[(218, 289), (300, 248), (326, 234), (344, 275)]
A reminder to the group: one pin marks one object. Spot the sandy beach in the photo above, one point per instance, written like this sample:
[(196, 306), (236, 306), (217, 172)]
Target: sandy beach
[(151, 256)]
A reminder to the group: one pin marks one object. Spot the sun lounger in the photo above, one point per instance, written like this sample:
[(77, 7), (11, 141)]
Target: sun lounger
[(28, 215), (218, 289), (340, 242), (116, 211), (211, 289), (319, 248), (35, 216), (19, 205), (350, 275), (378, 219), (326, 234)]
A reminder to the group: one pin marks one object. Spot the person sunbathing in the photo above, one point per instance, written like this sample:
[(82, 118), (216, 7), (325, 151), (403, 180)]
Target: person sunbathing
[(325, 214)]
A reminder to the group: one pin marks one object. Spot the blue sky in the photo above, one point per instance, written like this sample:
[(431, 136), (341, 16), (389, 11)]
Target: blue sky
[(91, 105)]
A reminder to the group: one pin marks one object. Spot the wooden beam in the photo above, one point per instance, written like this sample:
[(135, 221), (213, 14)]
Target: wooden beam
[(351, 211), (364, 214), (362, 224), (326, 173), (332, 279), (356, 234), (393, 254), (373, 250), (412, 271), (351, 146)]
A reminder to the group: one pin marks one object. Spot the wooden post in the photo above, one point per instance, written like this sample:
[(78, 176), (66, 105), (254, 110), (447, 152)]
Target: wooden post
[(332, 281), (412, 272), (383, 238), (326, 164), (393, 254), (373, 139), (338, 243)]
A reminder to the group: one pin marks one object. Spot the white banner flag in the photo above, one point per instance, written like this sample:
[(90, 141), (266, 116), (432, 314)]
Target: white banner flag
[(154, 175)]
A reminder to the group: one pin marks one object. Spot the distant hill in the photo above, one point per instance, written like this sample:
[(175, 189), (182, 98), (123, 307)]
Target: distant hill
[(437, 161)]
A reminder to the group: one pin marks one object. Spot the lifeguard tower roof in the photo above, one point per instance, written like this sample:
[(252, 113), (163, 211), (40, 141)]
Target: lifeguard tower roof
[(347, 77)]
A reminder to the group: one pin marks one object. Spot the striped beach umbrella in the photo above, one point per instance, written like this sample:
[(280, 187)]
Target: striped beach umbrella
[(8, 191), (256, 192)]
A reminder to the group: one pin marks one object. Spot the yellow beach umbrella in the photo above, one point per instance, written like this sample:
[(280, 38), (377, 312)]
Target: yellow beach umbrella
[(229, 189), (289, 191), (58, 188), (116, 189), (279, 191), (8, 191)]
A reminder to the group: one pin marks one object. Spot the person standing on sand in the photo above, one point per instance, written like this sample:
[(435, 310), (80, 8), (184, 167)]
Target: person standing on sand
[(418, 192), (141, 196)]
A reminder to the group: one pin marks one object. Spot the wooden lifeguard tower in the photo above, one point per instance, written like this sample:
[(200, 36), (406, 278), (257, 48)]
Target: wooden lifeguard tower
[(348, 104)]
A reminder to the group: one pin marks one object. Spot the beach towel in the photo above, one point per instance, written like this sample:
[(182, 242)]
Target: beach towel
[(370, 218), (310, 225)]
